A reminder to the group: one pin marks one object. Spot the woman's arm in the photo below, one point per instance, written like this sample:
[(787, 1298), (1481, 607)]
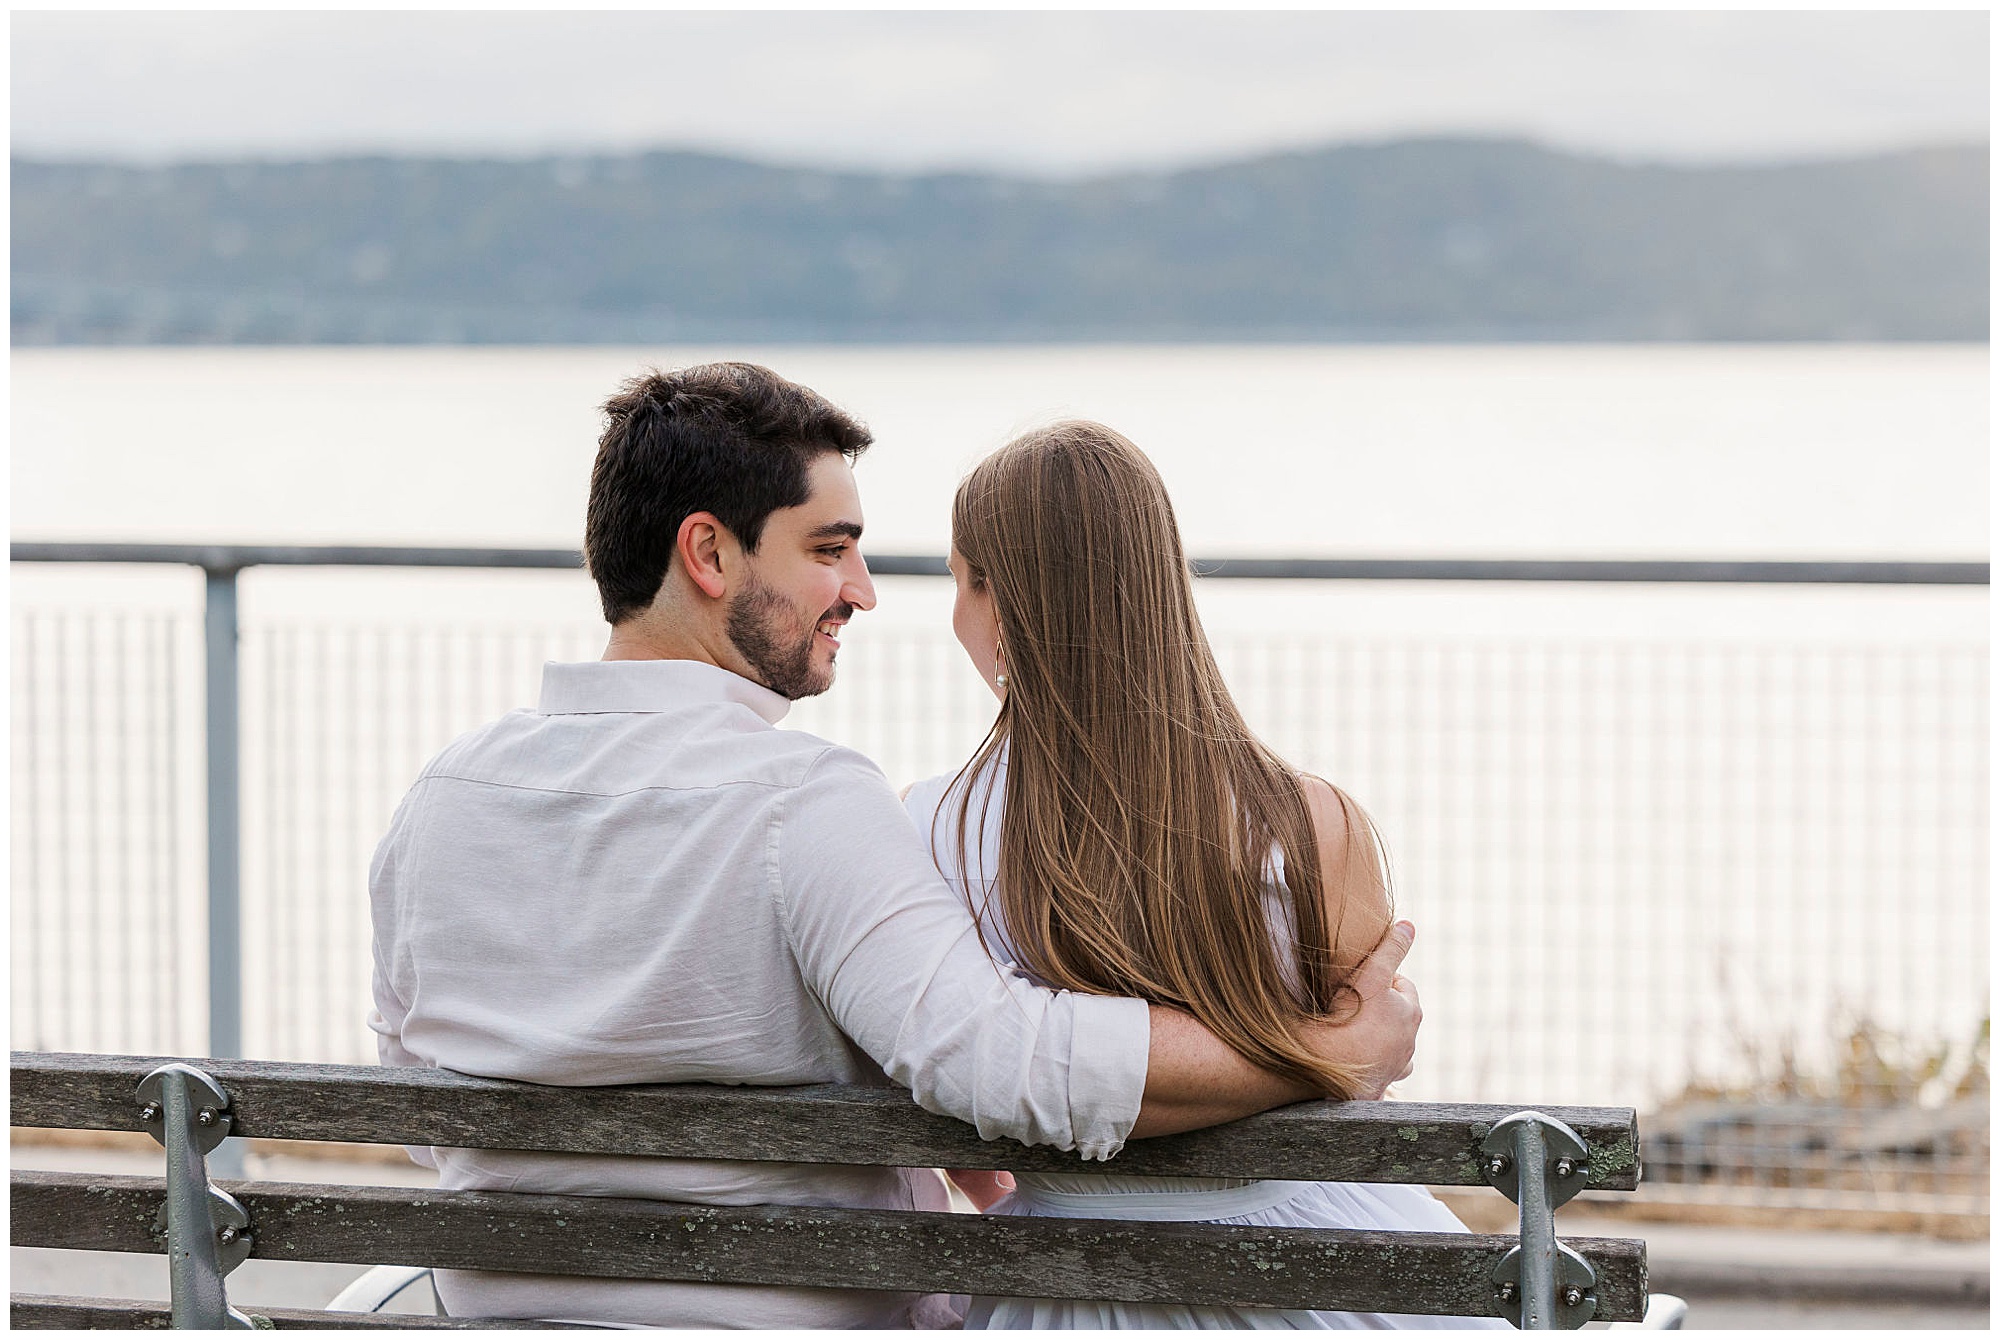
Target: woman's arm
[(1193, 1079), (1352, 879), (1354, 883)]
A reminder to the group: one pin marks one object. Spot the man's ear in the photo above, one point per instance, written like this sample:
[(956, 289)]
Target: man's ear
[(704, 546)]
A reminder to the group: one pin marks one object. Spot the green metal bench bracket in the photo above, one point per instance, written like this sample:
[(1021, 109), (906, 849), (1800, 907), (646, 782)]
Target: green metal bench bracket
[(208, 1231), (1538, 1163)]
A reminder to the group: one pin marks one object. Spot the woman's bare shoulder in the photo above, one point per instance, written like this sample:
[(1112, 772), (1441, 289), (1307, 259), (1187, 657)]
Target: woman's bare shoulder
[(1337, 820)]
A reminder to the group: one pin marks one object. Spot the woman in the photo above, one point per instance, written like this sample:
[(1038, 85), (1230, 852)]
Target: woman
[(1122, 832)]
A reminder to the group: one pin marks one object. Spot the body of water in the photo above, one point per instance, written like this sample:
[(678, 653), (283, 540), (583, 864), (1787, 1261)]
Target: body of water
[(1740, 451), (1668, 451)]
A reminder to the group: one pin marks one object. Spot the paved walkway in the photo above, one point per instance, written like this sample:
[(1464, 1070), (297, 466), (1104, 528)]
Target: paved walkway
[(1733, 1278), (1761, 1278)]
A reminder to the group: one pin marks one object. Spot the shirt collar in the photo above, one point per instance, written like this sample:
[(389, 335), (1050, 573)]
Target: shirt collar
[(650, 686)]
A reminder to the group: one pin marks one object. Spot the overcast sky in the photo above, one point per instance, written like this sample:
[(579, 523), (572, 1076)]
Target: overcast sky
[(1052, 92)]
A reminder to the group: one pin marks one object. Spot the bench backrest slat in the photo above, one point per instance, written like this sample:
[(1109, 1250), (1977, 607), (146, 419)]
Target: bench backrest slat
[(58, 1312), (1353, 1270), (1429, 1144)]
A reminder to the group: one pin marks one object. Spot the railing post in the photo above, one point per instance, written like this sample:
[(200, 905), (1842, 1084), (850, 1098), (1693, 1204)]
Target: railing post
[(225, 831), (225, 853)]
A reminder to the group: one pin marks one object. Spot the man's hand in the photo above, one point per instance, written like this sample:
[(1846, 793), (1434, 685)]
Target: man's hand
[(1380, 1038)]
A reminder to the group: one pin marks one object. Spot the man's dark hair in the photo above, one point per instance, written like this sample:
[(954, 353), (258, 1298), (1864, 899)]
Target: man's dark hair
[(734, 439)]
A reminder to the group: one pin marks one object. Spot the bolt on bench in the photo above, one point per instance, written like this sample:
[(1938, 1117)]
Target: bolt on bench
[(1538, 1159)]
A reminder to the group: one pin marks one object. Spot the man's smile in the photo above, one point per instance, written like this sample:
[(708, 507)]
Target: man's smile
[(835, 620)]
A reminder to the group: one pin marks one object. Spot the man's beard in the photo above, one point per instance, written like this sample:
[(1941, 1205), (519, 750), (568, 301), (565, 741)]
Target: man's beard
[(758, 618)]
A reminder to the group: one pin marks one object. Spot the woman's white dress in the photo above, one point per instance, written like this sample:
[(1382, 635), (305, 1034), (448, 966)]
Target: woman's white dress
[(934, 806)]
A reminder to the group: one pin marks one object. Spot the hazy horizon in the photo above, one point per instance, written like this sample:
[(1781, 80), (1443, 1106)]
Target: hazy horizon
[(778, 160), (1038, 93)]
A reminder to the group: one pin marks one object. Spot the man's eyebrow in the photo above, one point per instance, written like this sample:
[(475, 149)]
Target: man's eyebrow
[(836, 530)]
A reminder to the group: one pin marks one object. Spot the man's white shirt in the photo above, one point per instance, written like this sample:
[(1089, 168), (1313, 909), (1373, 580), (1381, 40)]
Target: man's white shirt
[(642, 880)]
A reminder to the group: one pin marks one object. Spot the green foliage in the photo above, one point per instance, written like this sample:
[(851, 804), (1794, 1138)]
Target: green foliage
[(1891, 1122), (1872, 1067)]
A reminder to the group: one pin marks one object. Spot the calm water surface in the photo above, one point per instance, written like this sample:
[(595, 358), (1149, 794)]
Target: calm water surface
[(1743, 451), (1477, 451)]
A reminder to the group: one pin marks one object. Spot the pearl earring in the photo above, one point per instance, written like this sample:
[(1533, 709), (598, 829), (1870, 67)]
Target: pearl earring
[(1000, 680)]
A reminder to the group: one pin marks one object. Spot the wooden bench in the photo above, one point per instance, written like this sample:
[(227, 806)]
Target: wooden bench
[(206, 1228)]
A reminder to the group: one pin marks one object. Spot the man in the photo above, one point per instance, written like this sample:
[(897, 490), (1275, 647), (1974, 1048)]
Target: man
[(642, 880)]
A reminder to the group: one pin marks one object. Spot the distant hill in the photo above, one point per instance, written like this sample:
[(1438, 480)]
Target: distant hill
[(1435, 239)]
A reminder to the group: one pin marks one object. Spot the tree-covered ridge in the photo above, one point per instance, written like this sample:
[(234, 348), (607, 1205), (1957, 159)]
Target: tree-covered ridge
[(1419, 239)]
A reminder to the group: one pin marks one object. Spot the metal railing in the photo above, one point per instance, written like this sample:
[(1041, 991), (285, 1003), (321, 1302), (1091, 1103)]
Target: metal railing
[(1619, 799)]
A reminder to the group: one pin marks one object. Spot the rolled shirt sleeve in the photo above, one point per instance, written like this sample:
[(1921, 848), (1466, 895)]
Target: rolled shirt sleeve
[(895, 959), (385, 1018)]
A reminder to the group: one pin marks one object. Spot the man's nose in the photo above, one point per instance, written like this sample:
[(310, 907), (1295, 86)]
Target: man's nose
[(859, 588)]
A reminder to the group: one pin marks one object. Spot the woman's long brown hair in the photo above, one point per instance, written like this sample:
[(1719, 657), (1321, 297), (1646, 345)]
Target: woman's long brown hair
[(1140, 812)]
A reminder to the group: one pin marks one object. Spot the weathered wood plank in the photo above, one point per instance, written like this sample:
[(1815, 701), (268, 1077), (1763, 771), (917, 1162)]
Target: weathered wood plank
[(59, 1312), (1435, 1273), (1424, 1143)]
